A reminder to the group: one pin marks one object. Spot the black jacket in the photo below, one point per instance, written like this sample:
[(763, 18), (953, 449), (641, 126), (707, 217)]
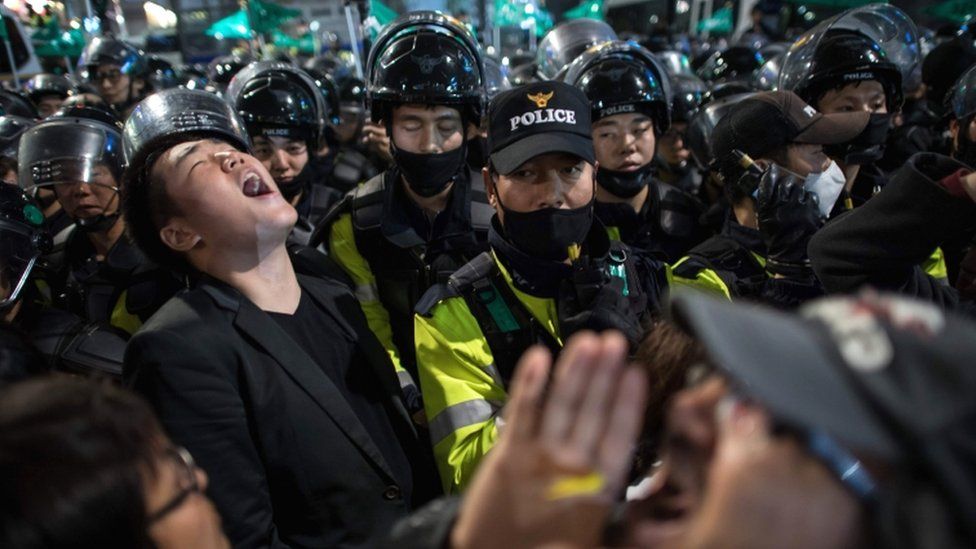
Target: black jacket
[(289, 462), (883, 242)]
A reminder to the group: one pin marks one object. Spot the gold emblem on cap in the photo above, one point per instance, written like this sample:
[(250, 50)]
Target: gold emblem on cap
[(540, 99)]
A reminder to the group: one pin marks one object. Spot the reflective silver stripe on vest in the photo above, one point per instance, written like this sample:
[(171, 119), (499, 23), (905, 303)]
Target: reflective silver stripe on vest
[(406, 380), (367, 292), (461, 415), (496, 376)]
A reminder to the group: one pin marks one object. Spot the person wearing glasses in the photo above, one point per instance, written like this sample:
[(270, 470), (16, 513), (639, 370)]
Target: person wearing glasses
[(118, 71), (88, 465)]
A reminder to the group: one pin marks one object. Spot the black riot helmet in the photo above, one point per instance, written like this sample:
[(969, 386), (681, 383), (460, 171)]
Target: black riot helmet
[(49, 84), (72, 149), (95, 111), (222, 69), (962, 97), (620, 77), (280, 100), (330, 95), (731, 64), (689, 94), (428, 58), (108, 50), (874, 42), (17, 104), (160, 74), (698, 137), (961, 103), (23, 240), (352, 93), (11, 129), (173, 116)]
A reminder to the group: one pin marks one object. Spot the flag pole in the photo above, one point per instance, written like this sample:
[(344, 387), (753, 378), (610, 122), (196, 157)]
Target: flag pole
[(357, 53), (10, 58)]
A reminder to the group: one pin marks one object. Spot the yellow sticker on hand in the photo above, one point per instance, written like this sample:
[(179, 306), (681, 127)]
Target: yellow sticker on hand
[(580, 485)]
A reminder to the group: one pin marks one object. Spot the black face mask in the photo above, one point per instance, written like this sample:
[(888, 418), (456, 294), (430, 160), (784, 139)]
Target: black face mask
[(867, 147), (477, 153), (625, 184), (429, 174), (97, 223), (548, 233), (298, 183)]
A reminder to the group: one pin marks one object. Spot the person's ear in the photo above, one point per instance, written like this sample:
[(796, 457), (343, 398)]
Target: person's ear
[(954, 132), (179, 236), (490, 189)]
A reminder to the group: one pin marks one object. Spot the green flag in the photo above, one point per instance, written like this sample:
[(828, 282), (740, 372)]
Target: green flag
[(51, 41), (953, 10), (268, 16), (380, 15), (235, 27), (720, 22), (591, 9)]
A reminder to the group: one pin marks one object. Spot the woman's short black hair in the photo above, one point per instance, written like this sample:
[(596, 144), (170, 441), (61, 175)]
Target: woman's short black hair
[(75, 456)]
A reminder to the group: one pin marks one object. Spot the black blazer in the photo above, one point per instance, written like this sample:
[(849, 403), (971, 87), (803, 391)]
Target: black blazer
[(289, 462)]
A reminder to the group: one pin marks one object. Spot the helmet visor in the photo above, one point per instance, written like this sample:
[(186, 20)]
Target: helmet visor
[(18, 254)]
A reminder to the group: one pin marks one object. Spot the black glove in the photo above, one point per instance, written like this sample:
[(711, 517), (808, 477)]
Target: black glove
[(788, 217), (591, 299)]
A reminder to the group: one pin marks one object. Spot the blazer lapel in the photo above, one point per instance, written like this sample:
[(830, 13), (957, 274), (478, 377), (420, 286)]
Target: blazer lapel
[(343, 307), (260, 328)]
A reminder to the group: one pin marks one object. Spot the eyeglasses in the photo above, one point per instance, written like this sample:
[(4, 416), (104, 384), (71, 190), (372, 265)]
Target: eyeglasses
[(112, 76), (187, 479), (844, 465)]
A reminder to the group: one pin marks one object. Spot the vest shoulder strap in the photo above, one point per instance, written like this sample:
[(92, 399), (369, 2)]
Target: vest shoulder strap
[(366, 203)]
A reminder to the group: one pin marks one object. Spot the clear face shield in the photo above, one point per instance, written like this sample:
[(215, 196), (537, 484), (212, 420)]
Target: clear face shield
[(68, 152), (20, 249), (886, 25), (562, 44)]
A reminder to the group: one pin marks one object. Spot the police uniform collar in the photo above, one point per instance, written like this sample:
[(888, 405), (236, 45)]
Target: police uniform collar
[(404, 222)]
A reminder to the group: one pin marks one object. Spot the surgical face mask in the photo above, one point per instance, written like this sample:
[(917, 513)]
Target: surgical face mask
[(429, 174), (868, 146), (827, 185), (624, 184)]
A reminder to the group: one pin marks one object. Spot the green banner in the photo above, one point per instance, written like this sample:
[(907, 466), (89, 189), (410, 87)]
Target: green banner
[(591, 9)]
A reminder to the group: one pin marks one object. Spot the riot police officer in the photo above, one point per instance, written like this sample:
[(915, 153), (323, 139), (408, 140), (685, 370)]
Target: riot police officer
[(769, 151), (860, 60), (65, 341), (631, 97), (48, 92), (673, 158), (286, 116), (413, 225), (118, 71), (95, 273), (354, 162), (552, 271)]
